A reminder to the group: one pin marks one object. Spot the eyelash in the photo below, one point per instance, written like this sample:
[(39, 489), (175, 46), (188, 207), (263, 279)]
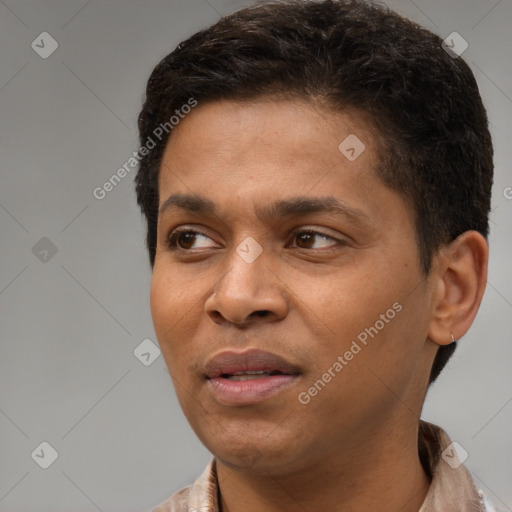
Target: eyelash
[(172, 238)]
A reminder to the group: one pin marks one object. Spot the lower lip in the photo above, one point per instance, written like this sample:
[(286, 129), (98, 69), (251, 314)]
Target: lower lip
[(247, 392)]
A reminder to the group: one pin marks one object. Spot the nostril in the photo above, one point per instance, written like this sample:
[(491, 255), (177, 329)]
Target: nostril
[(217, 315), (261, 313)]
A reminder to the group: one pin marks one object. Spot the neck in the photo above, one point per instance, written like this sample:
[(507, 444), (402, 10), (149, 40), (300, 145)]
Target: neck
[(380, 472)]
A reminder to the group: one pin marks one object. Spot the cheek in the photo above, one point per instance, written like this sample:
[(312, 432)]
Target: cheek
[(339, 305), (161, 303), (169, 311), (171, 296), (371, 306)]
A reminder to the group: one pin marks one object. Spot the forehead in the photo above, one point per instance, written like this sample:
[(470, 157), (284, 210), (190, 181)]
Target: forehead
[(287, 138)]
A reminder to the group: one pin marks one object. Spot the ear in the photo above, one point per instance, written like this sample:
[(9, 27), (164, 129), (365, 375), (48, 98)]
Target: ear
[(460, 276)]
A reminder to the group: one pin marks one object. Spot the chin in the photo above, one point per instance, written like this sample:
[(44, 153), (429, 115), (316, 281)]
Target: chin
[(245, 460), (264, 455)]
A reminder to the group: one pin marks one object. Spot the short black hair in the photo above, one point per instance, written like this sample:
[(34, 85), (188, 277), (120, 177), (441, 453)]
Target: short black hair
[(422, 101)]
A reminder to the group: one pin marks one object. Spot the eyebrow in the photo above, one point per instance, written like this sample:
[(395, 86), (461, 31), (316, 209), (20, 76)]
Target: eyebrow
[(295, 206), (189, 202)]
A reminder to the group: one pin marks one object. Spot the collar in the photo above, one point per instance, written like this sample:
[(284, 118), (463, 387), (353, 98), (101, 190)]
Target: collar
[(451, 487)]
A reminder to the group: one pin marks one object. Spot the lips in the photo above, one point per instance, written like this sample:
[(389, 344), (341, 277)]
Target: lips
[(252, 363), (244, 378)]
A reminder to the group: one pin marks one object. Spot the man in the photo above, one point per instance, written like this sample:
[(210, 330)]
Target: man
[(316, 179)]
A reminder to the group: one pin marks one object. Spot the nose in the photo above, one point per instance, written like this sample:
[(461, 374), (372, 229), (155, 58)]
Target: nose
[(248, 293)]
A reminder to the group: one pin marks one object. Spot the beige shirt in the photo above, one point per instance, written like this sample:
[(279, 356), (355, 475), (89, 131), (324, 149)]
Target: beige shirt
[(451, 489)]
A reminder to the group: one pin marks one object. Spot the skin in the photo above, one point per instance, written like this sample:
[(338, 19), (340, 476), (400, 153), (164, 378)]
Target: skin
[(354, 445)]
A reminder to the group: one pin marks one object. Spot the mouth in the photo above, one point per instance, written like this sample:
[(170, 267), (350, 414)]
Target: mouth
[(249, 377)]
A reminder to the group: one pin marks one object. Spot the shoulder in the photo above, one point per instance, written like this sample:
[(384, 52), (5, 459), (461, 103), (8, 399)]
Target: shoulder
[(488, 506), (452, 485), (178, 502), (201, 496)]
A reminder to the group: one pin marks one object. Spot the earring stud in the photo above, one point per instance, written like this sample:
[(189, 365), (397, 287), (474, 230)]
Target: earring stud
[(453, 339)]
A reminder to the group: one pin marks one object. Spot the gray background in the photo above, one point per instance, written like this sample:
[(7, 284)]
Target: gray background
[(70, 324)]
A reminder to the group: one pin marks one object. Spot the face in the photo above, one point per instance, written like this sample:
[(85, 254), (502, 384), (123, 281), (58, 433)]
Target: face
[(287, 295)]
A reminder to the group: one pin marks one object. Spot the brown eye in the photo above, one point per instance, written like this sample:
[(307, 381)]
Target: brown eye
[(307, 239), (185, 239)]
